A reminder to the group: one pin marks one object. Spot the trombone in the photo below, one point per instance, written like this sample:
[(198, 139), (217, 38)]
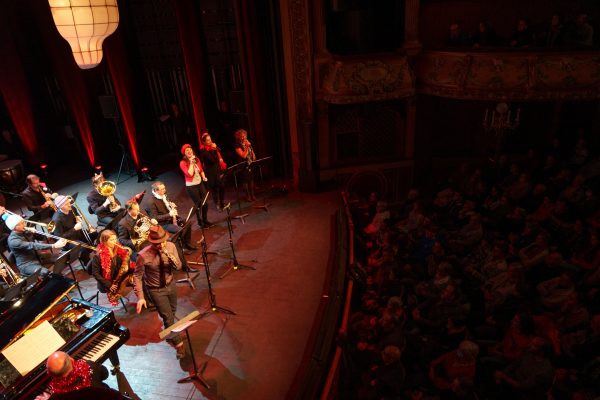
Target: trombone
[(9, 276), (90, 229), (75, 242), (49, 226)]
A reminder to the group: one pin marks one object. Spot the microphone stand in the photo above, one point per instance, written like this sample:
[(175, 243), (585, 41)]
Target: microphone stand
[(234, 262), (212, 298)]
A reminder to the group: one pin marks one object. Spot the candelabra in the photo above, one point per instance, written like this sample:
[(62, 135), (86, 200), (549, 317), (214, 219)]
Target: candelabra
[(500, 123)]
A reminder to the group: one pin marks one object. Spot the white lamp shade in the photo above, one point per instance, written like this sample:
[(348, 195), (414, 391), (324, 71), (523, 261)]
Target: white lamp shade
[(85, 24)]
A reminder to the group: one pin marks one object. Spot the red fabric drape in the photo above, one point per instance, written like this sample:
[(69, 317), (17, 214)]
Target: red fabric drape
[(251, 58), (16, 92), (70, 76), (116, 56), (189, 35)]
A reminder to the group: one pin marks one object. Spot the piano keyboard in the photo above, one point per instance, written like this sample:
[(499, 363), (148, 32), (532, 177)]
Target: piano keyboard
[(96, 347)]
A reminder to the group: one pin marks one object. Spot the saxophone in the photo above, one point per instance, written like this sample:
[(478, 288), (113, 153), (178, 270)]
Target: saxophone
[(115, 295)]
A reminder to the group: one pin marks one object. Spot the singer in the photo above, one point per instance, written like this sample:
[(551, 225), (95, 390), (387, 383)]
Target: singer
[(194, 183), (213, 164), (154, 268), (244, 152)]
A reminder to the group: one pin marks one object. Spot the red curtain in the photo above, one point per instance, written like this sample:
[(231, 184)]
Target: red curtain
[(189, 35), (70, 77), (251, 59), (116, 56), (16, 92)]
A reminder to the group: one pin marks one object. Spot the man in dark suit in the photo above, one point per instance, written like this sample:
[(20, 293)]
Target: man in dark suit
[(37, 199), (68, 226), (106, 208), (162, 210)]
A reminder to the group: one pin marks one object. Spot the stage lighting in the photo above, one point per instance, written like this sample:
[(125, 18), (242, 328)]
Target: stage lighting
[(144, 175)]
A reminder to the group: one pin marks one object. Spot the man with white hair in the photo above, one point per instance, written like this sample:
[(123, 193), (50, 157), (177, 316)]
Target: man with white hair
[(23, 247)]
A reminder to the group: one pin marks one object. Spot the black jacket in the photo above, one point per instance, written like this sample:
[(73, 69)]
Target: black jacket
[(96, 201)]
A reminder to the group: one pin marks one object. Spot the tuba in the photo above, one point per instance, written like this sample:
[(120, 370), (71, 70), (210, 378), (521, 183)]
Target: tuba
[(107, 189), (122, 275)]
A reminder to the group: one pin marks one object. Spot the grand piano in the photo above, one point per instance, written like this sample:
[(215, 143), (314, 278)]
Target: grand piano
[(82, 329)]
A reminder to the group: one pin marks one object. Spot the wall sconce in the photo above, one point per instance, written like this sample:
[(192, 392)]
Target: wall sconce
[(85, 24)]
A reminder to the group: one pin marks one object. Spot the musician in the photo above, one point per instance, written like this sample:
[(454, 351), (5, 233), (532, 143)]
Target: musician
[(111, 266), (154, 268), (194, 183), (245, 152), (70, 375), (105, 207), (38, 199), (69, 226), (22, 246), (214, 166), (127, 224)]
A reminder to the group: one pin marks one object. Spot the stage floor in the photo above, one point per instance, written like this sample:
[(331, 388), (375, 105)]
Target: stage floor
[(251, 355)]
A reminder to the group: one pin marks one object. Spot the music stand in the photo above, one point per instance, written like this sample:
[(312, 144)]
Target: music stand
[(176, 237), (234, 262), (265, 206), (235, 168), (65, 260), (184, 324)]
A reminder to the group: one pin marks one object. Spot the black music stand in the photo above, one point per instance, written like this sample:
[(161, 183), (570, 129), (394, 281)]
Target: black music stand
[(234, 262), (235, 169), (212, 298), (265, 206), (184, 324), (65, 260), (176, 237)]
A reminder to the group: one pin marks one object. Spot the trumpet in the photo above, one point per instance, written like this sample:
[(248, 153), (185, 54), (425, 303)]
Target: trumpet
[(107, 189), (9, 276)]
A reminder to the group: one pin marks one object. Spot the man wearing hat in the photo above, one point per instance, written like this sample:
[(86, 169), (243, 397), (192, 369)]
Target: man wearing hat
[(154, 269), (22, 246), (68, 226)]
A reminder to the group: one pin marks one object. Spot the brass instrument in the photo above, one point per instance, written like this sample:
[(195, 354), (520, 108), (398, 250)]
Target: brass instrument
[(90, 229), (76, 242), (115, 295), (142, 229), (48, 196), (9, 276), (49, 226), (107, 189), (170, 257)]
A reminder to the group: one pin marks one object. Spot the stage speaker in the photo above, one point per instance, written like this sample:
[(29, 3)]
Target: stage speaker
[(108, 106)]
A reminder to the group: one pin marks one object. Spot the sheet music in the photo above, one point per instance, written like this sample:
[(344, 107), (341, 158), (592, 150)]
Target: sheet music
[(33, 348)]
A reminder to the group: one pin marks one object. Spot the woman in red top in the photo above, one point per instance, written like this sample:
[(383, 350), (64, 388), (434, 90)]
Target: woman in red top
[(194, 183)]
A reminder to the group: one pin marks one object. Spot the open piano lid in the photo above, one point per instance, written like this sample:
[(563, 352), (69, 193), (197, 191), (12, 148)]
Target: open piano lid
[(25, 310)]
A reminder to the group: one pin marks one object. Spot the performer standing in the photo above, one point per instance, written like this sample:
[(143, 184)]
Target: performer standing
[(22, 246), (105, 207), (194, 183), (245, 152), (154, 268), (111, 266), (38, 199), (213, 164)]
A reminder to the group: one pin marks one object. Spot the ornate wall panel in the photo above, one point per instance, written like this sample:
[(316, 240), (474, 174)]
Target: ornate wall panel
[(510, 76), (365, 80)]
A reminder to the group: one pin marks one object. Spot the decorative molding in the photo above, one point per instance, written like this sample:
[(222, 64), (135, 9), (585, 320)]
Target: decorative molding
[(509, 76), (365, 80), (302, 57)]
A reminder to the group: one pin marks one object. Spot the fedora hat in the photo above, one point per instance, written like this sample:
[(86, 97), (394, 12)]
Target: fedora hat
[(157, 234)]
